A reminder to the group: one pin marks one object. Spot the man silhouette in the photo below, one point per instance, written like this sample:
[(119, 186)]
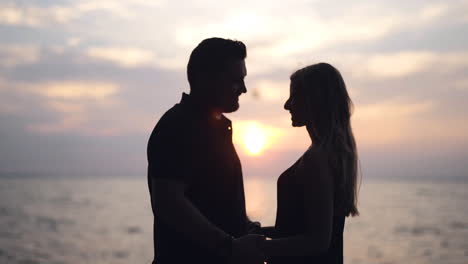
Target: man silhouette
[(194, 174)]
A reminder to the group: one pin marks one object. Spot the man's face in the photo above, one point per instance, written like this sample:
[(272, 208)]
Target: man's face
[(229, 86)]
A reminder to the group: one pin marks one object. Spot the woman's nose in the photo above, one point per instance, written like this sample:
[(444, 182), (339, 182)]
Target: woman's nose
[(287, 105)]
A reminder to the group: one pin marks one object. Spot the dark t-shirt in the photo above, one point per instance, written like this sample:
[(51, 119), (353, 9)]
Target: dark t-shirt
[(191, 145)]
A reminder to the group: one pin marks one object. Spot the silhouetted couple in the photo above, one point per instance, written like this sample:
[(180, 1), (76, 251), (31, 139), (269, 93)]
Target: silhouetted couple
[(195, 176)]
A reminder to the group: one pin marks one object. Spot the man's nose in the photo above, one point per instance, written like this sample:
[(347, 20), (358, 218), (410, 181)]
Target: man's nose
[(243, 88)]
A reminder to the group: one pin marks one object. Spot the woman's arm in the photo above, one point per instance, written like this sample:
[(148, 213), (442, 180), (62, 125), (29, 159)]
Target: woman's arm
[(268, 231), (318, 206)]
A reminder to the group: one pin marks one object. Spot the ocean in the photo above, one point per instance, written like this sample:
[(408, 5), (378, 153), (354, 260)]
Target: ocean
[(109, 220)]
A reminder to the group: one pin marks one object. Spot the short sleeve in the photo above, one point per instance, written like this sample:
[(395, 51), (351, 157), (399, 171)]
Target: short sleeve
[(169, 150)]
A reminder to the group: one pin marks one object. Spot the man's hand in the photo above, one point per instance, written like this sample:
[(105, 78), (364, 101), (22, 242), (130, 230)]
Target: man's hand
[(246, 249), (254, 227)]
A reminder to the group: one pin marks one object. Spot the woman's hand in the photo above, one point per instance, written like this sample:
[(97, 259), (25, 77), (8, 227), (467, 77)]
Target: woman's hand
[(247, 249), (268, 231)]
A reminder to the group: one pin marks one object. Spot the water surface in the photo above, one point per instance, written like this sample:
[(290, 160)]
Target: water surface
[(108, 220)]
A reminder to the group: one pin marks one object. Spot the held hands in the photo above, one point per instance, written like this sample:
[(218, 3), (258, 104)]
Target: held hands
[(247, 249)]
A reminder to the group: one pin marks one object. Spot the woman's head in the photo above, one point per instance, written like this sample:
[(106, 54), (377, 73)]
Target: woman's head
[(319, 100)]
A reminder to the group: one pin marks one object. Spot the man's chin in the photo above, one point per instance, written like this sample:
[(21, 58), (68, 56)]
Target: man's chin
[(297, 124), (231, 108)]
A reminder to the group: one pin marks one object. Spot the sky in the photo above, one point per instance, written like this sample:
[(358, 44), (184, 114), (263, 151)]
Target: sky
[(82, 83)]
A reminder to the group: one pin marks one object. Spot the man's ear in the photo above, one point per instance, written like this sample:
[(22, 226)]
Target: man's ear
[(213, 85)]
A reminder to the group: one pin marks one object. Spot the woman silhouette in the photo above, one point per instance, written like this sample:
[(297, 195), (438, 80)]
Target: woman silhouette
[(320, 189)]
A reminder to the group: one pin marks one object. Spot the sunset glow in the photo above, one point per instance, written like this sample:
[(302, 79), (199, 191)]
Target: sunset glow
[(96, 93), (254, 137)]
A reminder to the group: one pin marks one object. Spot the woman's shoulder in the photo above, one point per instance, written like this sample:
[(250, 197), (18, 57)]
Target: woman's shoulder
[(315, 163), (316, 156)]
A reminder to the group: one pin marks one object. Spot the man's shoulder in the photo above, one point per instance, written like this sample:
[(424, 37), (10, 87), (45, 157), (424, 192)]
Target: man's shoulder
[(175, 115), (172, 123)]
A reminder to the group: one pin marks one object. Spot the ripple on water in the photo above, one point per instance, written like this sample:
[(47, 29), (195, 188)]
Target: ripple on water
[(133, 230), (52, 224), (28, 261), (418, 230), (120, 254), (424, 192), (4, 211), (459, 225), (374, 252), (444, 244), (427, 252)]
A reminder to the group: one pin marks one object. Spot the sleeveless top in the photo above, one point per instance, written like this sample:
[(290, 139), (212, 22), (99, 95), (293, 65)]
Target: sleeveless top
[(290, 219)]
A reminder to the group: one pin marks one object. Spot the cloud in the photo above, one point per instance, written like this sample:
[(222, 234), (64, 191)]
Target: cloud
[(390, 122), (77, 107), (126, 57), (400, 64), (7, 106), (462, 85), (106, 83), (60, 14), (243, 25), (35, 16), (269, 90), (74, 41), (69, 124), (394, 109), (13, 55), (66, 106), (82, 107), (77, 89), (17, 16), (134, 57), (289, 41), (70, 83), (434, 11), (92, 118)]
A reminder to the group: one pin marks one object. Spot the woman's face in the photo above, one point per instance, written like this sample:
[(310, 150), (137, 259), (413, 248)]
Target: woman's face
[(297, 105)]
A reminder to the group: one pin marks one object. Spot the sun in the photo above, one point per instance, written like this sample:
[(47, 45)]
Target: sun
[(253, 137)]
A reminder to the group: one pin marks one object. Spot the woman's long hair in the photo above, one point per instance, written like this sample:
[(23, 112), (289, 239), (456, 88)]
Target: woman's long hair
[(330, 111)]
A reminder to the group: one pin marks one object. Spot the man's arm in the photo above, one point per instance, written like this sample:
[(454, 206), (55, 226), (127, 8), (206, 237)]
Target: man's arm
[(176, 210)]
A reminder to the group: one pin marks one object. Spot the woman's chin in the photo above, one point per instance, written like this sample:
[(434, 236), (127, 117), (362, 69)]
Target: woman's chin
[(297, 124)]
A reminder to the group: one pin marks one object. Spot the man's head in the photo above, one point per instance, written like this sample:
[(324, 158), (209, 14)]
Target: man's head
[(216, 71)]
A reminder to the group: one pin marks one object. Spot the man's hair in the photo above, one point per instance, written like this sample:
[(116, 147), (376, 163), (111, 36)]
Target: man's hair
[(210, 57)]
